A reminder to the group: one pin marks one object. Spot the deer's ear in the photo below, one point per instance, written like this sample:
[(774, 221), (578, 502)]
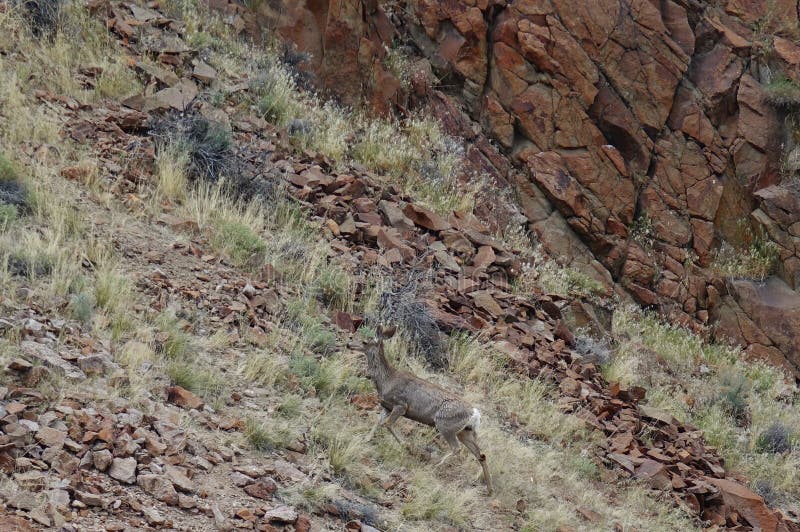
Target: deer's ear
[(387, 332)]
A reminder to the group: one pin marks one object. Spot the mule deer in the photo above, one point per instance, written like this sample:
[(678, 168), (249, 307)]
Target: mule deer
[(403, 394)]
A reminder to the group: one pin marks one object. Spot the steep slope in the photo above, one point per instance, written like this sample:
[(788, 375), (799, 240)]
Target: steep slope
[(181, 297), (650, 143)]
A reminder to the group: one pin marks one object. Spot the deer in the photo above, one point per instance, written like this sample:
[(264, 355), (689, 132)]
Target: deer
[(403, 394)]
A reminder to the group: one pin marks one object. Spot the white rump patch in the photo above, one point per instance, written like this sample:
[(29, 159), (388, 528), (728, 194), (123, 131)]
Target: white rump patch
[(475, 420)]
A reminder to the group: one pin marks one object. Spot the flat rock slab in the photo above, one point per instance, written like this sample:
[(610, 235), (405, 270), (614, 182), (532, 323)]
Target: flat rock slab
[(48, 357)]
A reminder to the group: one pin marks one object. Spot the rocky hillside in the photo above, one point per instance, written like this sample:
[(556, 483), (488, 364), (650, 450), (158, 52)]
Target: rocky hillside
[(652, 145), (196, 236)]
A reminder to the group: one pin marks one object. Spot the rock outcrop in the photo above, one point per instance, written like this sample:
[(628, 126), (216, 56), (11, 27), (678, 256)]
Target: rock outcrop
[(612, 120)]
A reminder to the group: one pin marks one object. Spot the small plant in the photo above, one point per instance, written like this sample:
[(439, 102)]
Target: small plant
[(546, 274), (268, 436), (7, 170), (291, 406), (343, 454), (403, 307), (733, 396), (204, 382), (334, 287), (429, 499), (758, 261), (641, 231), (580, 284), (585, 467), (258, 436), (784, 94), (399, 65), (199, 147), (775, 439), (33, 264), (171, 167), (319, 338), (43, 16), (172, 340), (81, 307), (8, 215), (239, 242), (276, 95), (13, 195)]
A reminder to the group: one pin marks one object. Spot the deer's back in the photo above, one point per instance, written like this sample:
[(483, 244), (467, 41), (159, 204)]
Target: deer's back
[(422, 399)]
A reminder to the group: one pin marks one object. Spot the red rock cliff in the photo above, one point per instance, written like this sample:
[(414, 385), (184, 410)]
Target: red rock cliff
[(612, 118)]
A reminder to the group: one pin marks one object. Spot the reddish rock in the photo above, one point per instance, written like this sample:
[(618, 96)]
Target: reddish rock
[(655, 473), (159, 487), (184, 398), (747, 504), (283, 514), (263, 489), (425, 218)]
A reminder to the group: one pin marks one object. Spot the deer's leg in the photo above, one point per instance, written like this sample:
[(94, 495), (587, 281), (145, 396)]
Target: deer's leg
[(397, 412), (454, 447), (469, 439), (384, 413)]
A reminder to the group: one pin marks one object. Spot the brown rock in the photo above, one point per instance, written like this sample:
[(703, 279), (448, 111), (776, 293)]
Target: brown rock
[(184, 398), (159, 487), (177, 475), (394, 216), (774, 308), (186, 502), (283, 514), (389, 239), (246, 514), (787, 50), (102, 459), (220, 521), (484, 301), (153, 516), (50, 437), (89, 499), (203, 72), (457, 242), (748, 504), (484, 258), (303, 523), (425, 218), (655, 473), (123, 469), (263, 489), (51, 359), (19, 364)]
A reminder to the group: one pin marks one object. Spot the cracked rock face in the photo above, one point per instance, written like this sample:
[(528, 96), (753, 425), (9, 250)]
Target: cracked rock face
[(606, 116)]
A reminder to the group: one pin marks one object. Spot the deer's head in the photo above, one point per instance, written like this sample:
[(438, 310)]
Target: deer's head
[(373, 347)]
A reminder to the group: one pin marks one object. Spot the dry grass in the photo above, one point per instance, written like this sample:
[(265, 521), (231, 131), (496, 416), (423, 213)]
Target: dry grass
[(757, 261), (735, 402), (307, 374), (546, 463), (547, 274), (79, 40)]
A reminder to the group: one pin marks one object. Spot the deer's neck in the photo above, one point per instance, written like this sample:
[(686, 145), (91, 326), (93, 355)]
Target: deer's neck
[(380, 370)]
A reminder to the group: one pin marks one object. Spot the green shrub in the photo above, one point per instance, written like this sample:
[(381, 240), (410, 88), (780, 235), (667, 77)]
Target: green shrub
[(239, 242), (784, 94), (171, 341), (276, 95), (8, 215), (204, 382), (757, 261), (268, 437), (733, 396), (81, 307), (334, 287), (775, 439)]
